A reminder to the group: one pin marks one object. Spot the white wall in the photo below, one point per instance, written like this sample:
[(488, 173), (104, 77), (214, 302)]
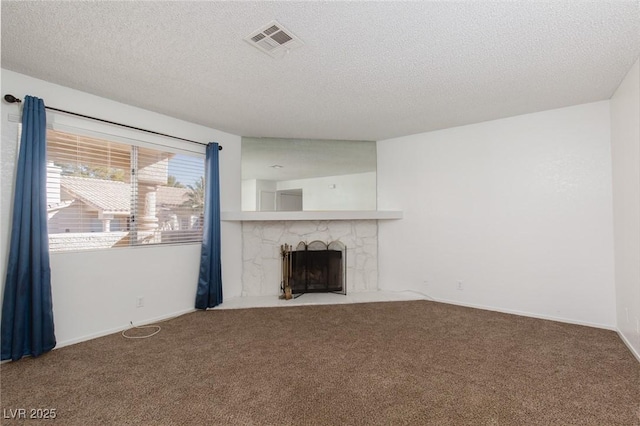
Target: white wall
[(519, 210), (265, 195), (249, 195), (351, 192), (94, 292), (625, 149)]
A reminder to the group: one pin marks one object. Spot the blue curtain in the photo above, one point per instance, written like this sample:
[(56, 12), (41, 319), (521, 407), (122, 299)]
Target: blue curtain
[(27, 312), (209, 293)]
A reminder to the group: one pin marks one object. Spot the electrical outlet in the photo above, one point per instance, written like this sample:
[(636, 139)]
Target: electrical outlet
[(139, 302), (460, 286)]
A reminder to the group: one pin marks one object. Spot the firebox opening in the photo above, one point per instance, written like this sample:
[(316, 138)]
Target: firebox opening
[(316, 267)]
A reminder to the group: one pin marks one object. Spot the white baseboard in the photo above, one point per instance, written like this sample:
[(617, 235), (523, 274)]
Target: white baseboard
[(451, 302), (629, 345), (121, 328), (529, 314), (522, 313)]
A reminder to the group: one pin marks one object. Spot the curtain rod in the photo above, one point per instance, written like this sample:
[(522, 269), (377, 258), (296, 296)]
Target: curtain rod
[(12, 99)]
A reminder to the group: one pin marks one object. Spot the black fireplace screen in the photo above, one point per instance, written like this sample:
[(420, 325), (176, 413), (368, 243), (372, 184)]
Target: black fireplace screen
[(314, 268)]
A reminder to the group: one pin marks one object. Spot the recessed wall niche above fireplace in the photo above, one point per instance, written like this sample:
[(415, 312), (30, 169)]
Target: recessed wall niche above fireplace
[(308, 175), (316, 267)]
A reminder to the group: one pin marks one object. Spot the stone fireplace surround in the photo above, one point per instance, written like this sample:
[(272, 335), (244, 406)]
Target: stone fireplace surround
[(261, 241)]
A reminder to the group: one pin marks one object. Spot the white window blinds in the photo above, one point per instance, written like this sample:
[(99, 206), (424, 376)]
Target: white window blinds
[(103, 194)]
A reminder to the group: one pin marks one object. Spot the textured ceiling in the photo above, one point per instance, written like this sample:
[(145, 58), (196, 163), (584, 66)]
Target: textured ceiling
[(367, 70)]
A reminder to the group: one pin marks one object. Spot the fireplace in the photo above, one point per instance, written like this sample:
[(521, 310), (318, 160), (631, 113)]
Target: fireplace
[(262, 243), (316, 267)]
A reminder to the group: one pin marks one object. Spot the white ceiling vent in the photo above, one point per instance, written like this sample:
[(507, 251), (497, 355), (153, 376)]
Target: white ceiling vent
[(273, 39)]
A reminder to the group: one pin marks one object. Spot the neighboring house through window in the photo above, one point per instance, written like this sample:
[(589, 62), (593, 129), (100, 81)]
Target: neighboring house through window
[(104, 194)]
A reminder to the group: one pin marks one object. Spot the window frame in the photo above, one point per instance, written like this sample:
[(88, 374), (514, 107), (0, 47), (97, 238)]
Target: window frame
[(132, 138)]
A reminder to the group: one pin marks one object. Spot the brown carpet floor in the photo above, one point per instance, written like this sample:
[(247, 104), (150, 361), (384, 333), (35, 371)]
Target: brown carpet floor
[(415, 362)]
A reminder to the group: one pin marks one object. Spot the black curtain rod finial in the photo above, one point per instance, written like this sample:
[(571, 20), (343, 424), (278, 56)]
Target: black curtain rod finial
[(12, 99)]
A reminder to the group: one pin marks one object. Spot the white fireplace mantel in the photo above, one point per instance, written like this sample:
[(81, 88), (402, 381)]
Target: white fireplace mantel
[(246, 216)]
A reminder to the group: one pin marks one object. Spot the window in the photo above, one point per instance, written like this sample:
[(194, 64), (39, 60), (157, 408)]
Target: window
[(103, 194)]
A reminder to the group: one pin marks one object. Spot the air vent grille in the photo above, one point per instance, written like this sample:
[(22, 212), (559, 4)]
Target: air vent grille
[(272, 29), (281, 37), (273, 39)]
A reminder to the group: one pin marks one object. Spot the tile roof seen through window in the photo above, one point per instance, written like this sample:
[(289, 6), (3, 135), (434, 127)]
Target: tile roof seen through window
[(115, 196), (108, 196)]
